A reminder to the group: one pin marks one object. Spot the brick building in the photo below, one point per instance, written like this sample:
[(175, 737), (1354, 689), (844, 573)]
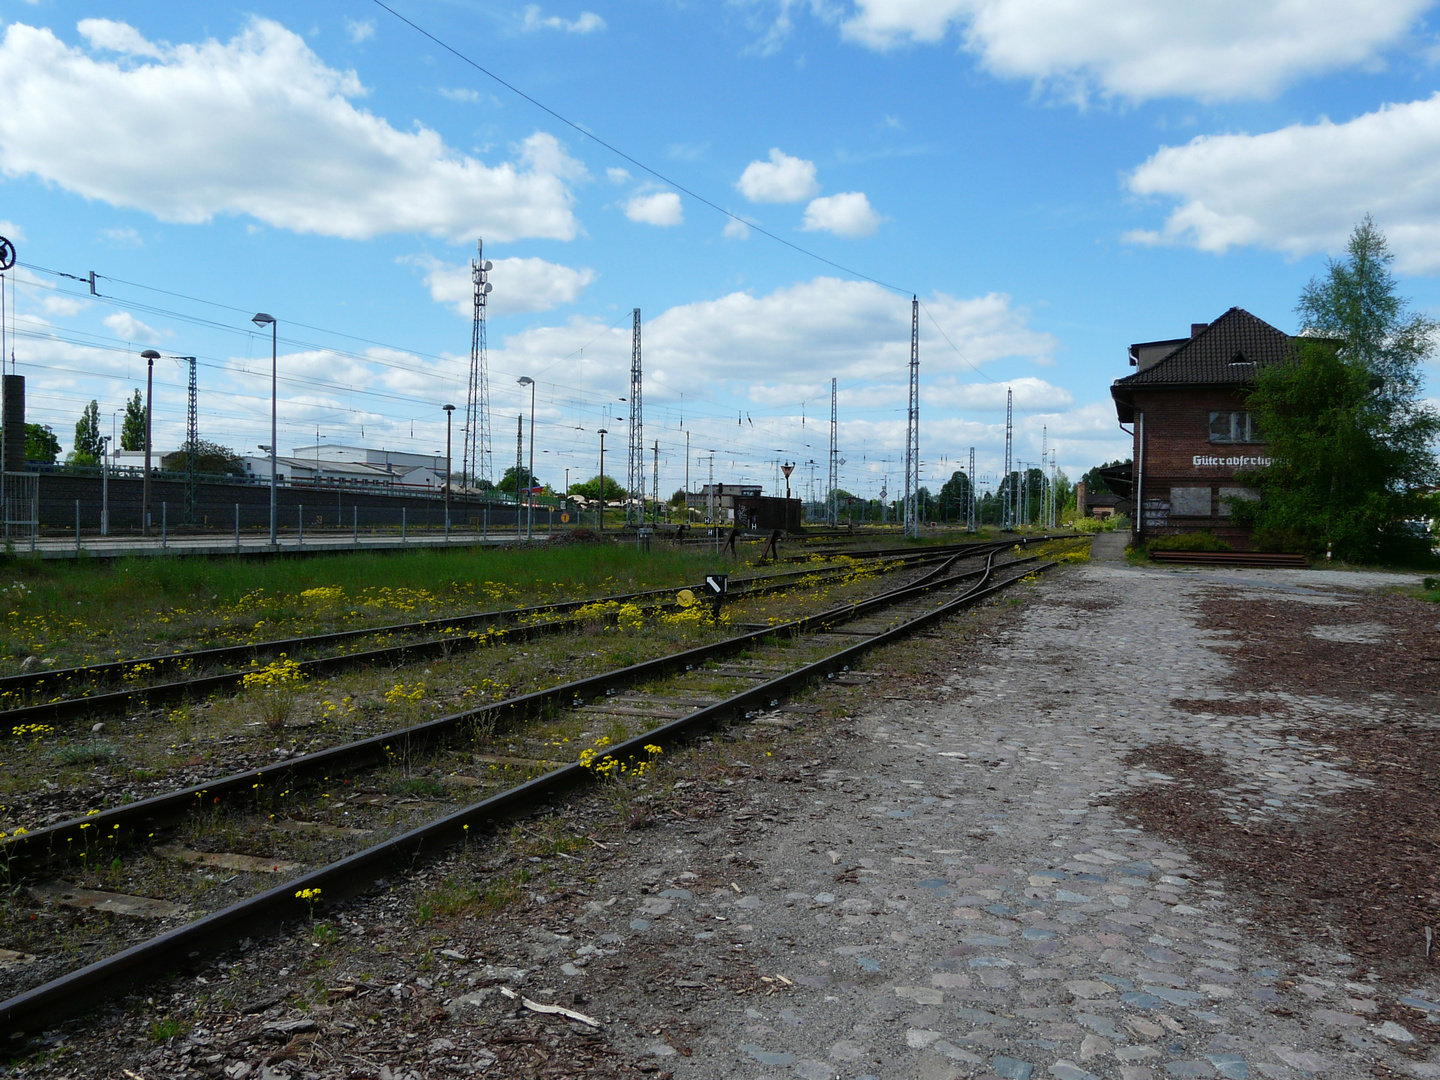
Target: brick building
[(1191, 428)]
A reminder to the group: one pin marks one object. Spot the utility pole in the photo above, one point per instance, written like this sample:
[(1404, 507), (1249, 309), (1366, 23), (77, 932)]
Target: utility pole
[(1007, 505), (635, 477), (912, 427), (475, 453), (714, 525), (832, 511), (192, 439), (970, 485), (655, 482), (519, 467), (687, 477)]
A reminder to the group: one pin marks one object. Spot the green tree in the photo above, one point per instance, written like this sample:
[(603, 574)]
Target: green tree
[(87, 434), (211, 458), (955, 497), (590, 489), (132, 431), (1349, 436), (1092, 479), (678, 499), (525, 479), (41, 445)]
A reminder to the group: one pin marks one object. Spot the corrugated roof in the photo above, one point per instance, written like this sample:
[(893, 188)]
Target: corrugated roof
[(1230, 350)]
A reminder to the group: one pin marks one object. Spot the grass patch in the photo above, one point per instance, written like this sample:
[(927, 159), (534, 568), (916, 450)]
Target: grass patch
[(425, 787), (71, 614), (87, 753)]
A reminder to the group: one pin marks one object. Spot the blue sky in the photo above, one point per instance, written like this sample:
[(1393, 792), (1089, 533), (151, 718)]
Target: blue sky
[(1054, 178)]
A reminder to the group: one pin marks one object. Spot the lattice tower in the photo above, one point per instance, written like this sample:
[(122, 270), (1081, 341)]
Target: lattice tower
[(912, 426), (635, 475), (475, 459), (833, 513)]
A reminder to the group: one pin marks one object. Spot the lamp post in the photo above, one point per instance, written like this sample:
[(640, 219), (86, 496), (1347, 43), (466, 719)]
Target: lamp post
[(601, 516), (149, 356), (449, 412), (262, 320), (525, 380)]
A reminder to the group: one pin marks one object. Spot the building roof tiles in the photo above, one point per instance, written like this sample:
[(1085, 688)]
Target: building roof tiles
[(1228, 351)]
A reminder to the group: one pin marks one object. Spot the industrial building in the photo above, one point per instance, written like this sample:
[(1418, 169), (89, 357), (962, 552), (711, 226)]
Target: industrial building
[(1192, 432)]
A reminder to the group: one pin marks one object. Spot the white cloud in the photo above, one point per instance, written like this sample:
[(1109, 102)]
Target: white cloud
[(1029, 393), (847, 214), (587, 23), (258, 125), (1301, 189), (1139, 49), (782, 179), (360, 31), (128, 328), (617, 176), (735, 229), (122, 236), (59, 304), (804, 334), (661, 208), (106, 35), (783, 347), (11, 231), (521, 285), (460, 94)]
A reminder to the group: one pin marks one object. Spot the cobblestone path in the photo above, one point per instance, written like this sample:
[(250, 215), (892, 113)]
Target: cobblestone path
[(955, 898)]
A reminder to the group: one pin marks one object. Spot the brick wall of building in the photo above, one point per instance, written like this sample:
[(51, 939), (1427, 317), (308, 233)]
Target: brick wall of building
[(1187, 481)]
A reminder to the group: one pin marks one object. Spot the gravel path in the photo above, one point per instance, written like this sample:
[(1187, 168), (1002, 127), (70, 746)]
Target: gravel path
[(954, 897)]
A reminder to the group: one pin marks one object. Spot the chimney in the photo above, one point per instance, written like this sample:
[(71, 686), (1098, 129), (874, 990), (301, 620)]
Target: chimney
[(1197, 327)]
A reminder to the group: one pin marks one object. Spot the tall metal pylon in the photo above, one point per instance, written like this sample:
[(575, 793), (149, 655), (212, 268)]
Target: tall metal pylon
[(635, 509), (970, 510), (912, 427), (1007, 506), (192, 442), (655, 481), (832, 513), (475, 461), (519, 466)]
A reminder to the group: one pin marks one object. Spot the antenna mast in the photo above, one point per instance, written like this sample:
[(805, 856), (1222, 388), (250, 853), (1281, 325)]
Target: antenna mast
[(912, 428), (475, 454), (635, 478)]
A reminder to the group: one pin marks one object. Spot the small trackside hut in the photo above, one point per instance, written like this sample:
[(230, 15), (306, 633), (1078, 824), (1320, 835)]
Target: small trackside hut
[(1192, 432)]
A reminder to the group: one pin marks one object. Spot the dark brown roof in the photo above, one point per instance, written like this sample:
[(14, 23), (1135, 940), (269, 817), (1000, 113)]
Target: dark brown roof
[(1228, 352)]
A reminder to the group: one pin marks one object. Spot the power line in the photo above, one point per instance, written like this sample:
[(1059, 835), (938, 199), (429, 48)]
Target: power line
[(634, 161)]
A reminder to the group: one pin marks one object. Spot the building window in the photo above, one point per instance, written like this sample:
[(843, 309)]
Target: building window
[(1234, 427)]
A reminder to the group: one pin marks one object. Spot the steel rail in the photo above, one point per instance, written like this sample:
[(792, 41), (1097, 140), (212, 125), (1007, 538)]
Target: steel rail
[(118, 669), (14, 722), (76, 992), (45, 846)]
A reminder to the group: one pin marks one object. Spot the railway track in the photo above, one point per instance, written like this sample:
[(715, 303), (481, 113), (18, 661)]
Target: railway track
[(84, 693), (310, 843)]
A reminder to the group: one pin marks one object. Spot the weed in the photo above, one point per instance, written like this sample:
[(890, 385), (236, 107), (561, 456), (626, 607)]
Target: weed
[(165, 1028)]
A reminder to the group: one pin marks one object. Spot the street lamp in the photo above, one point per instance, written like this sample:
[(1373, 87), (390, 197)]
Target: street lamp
[(449, 411), (149, 356), (263, 320), (525, 380), (601, 518)]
